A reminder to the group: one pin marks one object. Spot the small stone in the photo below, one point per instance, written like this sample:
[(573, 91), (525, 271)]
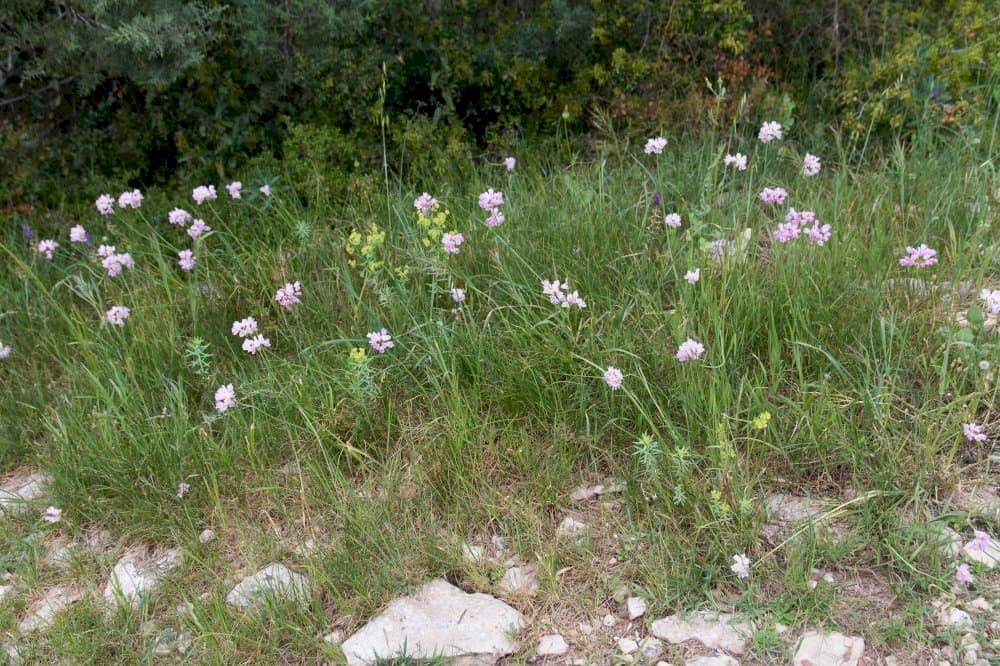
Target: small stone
[(579, 662), (715, 632), (609, 620), (140, 571), (520, 580), (552, 645), (570, 528), (335, 637), (60, 554), (828, 578), (954, 618), (892, 661), (19, 492), (206, 536), (5, 590), (627, 645), (42, 614), (274, 580), (472, 554), (651, 648), (713, 660), (584, 493), (636, 607), (978, 603), (781, 628), (833, 649), (620, 593)]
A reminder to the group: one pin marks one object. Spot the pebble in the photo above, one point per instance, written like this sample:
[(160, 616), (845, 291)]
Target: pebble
[(206, 536), (636, 607), (552, 645), (627, 645)]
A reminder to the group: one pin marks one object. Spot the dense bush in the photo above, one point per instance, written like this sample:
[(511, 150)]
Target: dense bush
[(143, 90)]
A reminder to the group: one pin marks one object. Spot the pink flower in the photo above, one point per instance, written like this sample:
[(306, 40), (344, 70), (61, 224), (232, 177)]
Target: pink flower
[(613, 378), (672, 220), (495, 219), (741, 566), (105, 250), (974, 432), (810, 165), (424, 203), (739, 160), (451, 242), (289, 294), (574, 299), (186, 260), (921, 257), (380, 341), (105, 204), (693, 276), (225, 397), (265, 190), (992, 299), (458, 295), (819, 234), (800, 217), (510, 163), (773, 195), (234, 189), (114, 263), (769, 132), (197, 228), (117, 315), (47, 247), (52, 515), (980, 541), (786, 232), (245, 327), (489, 200), (255, 344), (131, 199), (178, 217), (203, 193), (963, 575), (690, 350), (184, 488), (554, 290), (4, 351), (78, 234), (655, 145)]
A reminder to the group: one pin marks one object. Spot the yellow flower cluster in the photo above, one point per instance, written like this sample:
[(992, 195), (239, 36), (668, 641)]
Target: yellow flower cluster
[(433, 225), (366, 250)]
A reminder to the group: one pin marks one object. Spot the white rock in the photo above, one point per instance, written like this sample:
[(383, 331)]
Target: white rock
[(520, 580), (609, 620), (982, 501), (5, 591), (650, 647), (989, 557), (439, 620), (60, 554), (43, 612), (570, 528), (833, 649), (713, 660), (636, 607), (472, 554), (946, 540), (781, 628), (335, 637), (552, 645), (275, 581), (140, 571), (13, 654), (716, 632), (584, 493), (979, 604), (627, 645), (788, 513), (585, 628), (206, 536), (20, 491), (954, 618)]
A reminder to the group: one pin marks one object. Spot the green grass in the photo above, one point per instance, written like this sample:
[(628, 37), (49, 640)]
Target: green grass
[(483, 418)]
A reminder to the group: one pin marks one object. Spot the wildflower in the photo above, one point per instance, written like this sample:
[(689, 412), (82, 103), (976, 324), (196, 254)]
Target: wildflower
[(510, 163), (78, 234), (225, 397), (613, 378), (184, 488), (769, 132), (761, 420), (52, 515), (380, 341), (773, 195), (27, 232), (984, 365), (458, 295), (800, 217), (980, 541), (105, 250), (4, 351), (451, 242), (992, 298), (819, 234), (655, 145), (255, 344), (553, 290), (672, 220), (186, 259), (657, 199), (574, 299), (495, 219), (693, 276), (974, 432), (786, 232), (105, 204), (131, 199), (117, 315), (203, 193), (810, 165), (963, 575), (197, 228), (489, 200), (690, 350), (265, 190), (46, 247), (741, 566), (234, 189), (739, 160), (114, 263), (424, 203), (358, 354), (289, 294), (178, 217), (245, 327), (921, 257)]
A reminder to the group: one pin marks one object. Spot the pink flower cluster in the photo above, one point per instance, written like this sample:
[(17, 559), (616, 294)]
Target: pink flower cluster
[(556, 291), (769, 131), (451, 242), (47, 247), (655, 145), (693, 276), (4, 351), (52, 515), (234, 189), (690, 350), (491, 201), (741, 566), (458, 295), (245, 328), (105, 204), (225, 398), (290, 294), (672, 220), (203, 193), (992, 300), (739, 160), (114, 262), (117, 315), (78, 234), (186, 259), (197, 228), (974, 432), (424, 203), (810, 165), (178, 217), (796, 222), (613, 377), (510, 163), (131, 199), (255, 344), (380, 341), (921, 257), (773, 195)]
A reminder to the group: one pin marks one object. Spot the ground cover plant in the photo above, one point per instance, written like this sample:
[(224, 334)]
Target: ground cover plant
[(368, 389)]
